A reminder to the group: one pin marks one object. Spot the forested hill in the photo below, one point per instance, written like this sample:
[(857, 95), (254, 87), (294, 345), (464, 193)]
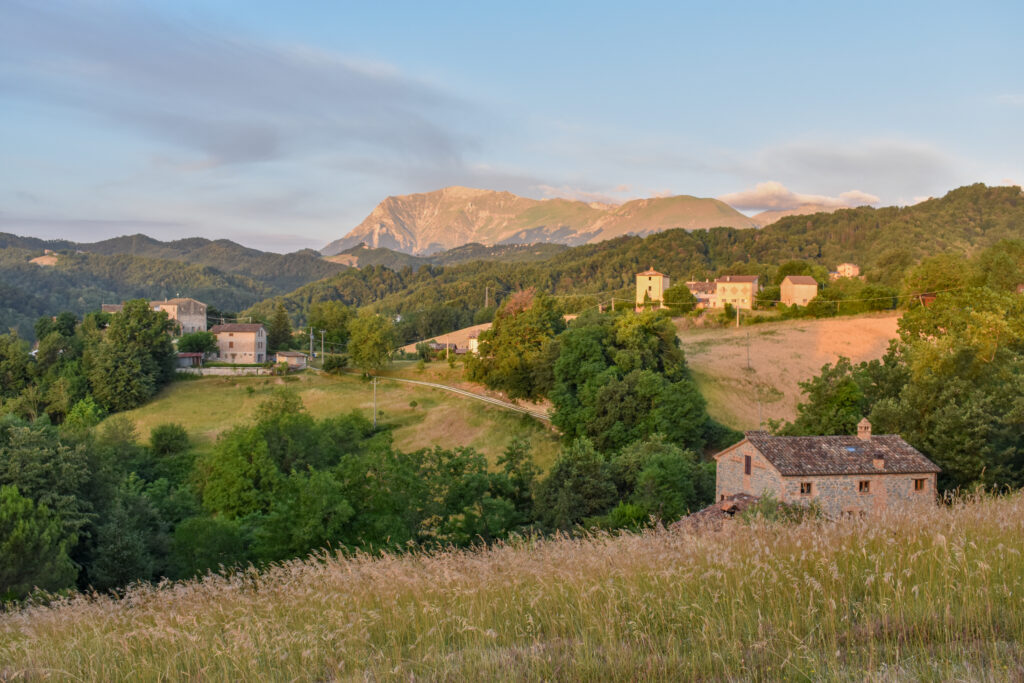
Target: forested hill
[(884, 242), (80, 277), (281, 272)]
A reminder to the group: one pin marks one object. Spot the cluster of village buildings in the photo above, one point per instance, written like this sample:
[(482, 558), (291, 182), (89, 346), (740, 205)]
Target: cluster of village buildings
[(738, 291), (841, 475), (237, 343)]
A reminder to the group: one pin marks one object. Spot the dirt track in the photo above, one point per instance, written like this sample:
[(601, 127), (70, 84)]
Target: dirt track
[(781, 355)]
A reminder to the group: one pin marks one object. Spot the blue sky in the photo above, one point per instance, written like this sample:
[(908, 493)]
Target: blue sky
[(281, 125)]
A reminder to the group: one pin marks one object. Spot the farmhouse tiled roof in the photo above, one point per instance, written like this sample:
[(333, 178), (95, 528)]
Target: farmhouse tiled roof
[(828, 455), (802, 280), (701, 287), (236, 327), (651, 271), (737, 278)]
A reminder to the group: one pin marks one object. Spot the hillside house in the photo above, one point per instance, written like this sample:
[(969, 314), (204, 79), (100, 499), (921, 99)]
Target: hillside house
[(650, 288), (296, 360), (845, 270), (188, 313), (798, 290), (241, 342), (842, 474), (737, 290), (703, 292)]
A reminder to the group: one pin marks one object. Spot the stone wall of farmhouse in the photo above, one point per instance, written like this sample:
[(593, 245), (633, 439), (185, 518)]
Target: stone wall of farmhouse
[(836, 494), (840, 494), (731, 478)]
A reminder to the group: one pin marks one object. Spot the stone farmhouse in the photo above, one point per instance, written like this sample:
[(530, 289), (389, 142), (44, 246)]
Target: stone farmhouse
[(798, 290), (737, 290), (650, 288), (845, 270), (703, 292), (844, 475), (241, 342), (188, 313)]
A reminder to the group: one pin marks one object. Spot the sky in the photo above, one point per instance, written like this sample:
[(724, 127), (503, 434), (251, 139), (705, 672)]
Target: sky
[(281, 125)]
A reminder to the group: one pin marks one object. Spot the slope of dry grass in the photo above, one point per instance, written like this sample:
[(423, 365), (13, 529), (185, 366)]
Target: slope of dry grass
[(781, 354), (933, 594), (208, 406)]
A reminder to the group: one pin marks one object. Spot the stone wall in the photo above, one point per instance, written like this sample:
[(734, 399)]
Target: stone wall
[(731, 479), (226, 372), (840, 495)]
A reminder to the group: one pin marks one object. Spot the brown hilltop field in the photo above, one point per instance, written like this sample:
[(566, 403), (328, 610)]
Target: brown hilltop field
[(782, 354)]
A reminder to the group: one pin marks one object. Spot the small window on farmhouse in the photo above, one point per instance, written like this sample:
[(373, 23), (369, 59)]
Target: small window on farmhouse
[(864, 486), (805, 488), (919, 484), (231, 345), (746, 464)]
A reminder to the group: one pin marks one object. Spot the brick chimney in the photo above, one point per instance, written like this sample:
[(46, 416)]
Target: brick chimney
[(864, 430)]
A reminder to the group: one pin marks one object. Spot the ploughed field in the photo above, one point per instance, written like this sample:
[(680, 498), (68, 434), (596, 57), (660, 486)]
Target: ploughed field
[(781, 355), (933, 594)]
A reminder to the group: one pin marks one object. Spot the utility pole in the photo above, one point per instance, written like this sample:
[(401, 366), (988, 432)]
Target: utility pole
[(486, 295), (748, 352), (375, 402), (322, 343), (311, 342), (737, 316)]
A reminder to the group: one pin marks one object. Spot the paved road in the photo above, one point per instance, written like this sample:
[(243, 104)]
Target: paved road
[(536, 413)]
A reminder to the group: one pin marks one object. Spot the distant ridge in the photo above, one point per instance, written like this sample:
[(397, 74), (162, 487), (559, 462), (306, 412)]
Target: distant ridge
[(430, 222)]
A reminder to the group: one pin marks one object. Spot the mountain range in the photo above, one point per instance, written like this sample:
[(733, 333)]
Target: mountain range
[(430, 222)]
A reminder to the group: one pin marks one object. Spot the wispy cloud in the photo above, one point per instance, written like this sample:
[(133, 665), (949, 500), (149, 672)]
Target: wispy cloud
[(230, 100), (775, 195), (900, 167), (1012, 99)]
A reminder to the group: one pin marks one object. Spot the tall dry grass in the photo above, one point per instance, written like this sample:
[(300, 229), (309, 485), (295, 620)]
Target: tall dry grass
[(936, 594)]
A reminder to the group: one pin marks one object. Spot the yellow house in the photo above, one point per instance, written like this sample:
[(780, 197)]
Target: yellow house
[(737, 290), (651, 286), (798, 290)]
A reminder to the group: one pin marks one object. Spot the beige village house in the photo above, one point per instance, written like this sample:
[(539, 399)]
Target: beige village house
[(241, 342), (650, 287), (842, 474), (188, 313), (798, 290), (737, 290)]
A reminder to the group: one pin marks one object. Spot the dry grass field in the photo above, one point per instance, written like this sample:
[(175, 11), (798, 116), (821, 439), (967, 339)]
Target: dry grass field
[(781, 354), (935, 594), (211, 405)]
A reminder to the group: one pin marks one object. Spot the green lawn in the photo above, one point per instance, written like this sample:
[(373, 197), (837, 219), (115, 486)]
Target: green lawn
[(210, 405)]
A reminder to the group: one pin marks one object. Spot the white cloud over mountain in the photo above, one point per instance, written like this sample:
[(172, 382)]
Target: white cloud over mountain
[(773, 195)]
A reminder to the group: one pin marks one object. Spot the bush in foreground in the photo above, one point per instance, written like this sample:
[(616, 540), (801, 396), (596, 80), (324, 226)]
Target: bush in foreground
[(935, 594)]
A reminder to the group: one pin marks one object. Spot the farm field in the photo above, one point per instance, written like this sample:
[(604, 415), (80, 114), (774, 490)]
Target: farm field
[(782, 354), (211, 405), (929, 594)]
